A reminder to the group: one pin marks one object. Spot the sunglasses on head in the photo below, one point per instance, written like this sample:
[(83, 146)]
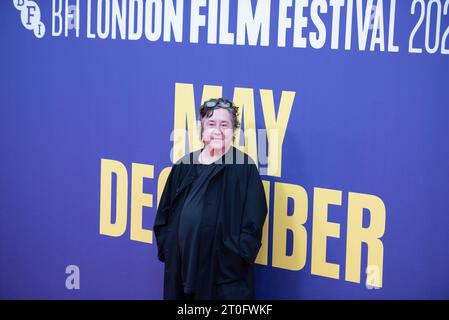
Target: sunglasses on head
[(216, 102)]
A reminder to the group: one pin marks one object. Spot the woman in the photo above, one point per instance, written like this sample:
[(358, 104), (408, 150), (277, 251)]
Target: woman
[(209, 220)]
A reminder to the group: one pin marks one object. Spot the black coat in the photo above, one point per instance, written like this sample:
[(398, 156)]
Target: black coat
[(234, 212)]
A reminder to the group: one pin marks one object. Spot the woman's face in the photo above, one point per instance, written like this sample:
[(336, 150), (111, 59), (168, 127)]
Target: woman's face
[(218, 130)]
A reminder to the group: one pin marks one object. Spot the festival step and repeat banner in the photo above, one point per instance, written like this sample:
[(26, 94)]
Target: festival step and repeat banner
[(344, 106)]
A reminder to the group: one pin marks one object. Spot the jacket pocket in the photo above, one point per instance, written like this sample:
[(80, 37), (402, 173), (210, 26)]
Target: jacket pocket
[(231, 266)]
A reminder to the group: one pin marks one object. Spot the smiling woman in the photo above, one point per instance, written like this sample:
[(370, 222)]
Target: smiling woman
[(209, 221), (218, 118)]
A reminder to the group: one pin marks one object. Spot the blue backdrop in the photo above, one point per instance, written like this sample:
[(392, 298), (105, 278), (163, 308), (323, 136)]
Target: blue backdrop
[(366, 121)]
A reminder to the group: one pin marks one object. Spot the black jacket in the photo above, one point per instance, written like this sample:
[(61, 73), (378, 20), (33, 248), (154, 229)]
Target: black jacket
[(235, 209)]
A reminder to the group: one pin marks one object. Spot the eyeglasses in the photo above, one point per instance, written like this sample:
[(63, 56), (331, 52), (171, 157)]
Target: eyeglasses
[(218, 102)]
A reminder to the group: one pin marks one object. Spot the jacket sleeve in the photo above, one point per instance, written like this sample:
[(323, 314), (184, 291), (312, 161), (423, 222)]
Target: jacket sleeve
[(162, 214), (254, 213)]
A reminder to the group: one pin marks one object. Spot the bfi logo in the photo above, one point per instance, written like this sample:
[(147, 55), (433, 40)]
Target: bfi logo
[(30, 15), (65, 17)]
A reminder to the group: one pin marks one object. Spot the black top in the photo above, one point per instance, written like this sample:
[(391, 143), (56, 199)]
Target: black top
[(189, 225)]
